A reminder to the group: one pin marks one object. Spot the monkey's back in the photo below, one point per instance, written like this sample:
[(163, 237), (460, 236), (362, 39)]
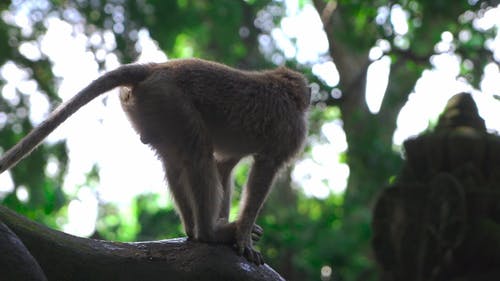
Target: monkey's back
[(245, 111)]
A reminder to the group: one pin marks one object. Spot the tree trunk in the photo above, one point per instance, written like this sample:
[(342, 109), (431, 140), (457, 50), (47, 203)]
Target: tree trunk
[(369, 136), (370, 155)]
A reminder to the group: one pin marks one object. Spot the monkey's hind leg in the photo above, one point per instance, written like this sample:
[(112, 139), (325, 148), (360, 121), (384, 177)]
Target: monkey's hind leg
[(206, 192), (168, 121), (190, 141), (178, 186)]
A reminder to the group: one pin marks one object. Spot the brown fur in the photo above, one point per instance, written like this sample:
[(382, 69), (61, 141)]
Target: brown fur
[(201, 118)]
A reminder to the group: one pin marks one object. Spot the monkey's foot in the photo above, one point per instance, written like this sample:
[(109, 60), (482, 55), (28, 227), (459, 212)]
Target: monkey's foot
[(226, 232)]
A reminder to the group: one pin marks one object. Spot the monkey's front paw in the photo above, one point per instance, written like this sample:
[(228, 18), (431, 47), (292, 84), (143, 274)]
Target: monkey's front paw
[(225, 232), (244, 247), (252, 255), (257, 232)]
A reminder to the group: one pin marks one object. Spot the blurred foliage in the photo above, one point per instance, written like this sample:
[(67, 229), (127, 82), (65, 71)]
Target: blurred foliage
[(302, 234)]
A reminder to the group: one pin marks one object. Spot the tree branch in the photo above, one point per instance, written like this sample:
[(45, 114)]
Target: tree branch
[(66, 257), (16, 262)]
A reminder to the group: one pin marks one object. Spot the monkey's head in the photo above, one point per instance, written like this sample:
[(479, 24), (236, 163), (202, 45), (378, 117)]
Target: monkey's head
[(295, 85)]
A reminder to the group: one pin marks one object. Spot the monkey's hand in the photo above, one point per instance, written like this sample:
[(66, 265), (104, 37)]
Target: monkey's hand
[(241, 237), (257, 232), (244, 243)]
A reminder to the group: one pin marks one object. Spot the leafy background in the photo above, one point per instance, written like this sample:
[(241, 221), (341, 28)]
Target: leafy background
[(306, 238)]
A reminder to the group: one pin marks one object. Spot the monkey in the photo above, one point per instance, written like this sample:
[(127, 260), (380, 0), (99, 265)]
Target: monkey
[(201, 118)]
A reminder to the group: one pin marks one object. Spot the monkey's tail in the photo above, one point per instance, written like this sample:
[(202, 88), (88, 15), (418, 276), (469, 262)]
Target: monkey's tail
[(126, 75)]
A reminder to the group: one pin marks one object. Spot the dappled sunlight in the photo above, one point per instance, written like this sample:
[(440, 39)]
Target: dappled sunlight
[(327, 71), (17, 84), (399, 19), (491, 80), (396, 66), (323, 174), (14, 77), (306, 28), (53, 167), (436, 87), (22, 194), (423, 107), (100, 135), (99, 132), (82, 213), (6, 184), (488, 107), (376, 83)]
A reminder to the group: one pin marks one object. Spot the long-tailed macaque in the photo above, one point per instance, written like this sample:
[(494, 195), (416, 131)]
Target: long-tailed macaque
[(201, 118)]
